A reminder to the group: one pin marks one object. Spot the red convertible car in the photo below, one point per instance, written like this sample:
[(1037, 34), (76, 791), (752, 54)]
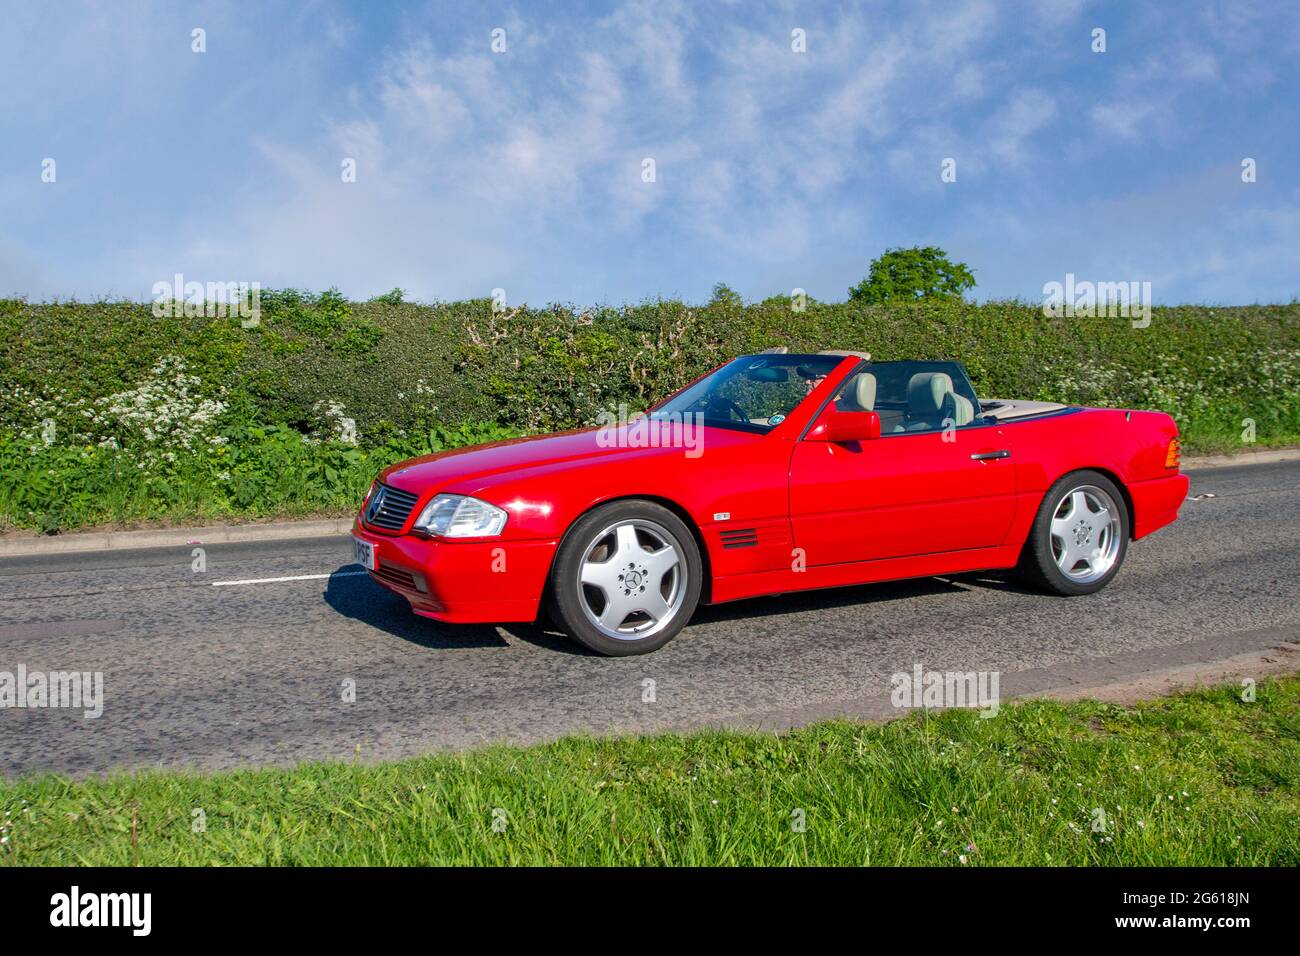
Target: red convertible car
[(776, 472)]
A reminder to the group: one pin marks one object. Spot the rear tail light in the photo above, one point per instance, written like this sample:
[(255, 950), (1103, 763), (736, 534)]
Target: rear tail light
[(1174, 455)]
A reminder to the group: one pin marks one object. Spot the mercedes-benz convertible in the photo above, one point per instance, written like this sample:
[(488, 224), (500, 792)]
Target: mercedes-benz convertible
[(776, 472)]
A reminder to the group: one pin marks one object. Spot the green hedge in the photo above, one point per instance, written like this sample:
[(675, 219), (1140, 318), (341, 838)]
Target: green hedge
[(398, 367), (100, 378)]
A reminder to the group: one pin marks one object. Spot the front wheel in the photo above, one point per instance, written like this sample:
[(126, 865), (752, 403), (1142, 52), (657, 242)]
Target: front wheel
[(1079, 537), (626, 579)]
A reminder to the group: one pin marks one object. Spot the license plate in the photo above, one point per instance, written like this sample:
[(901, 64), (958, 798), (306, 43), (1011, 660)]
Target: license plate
[(363, 552)]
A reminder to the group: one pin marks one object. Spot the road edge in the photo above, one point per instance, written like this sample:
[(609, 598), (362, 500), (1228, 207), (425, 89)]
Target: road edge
[(171, 537), (1121, 679), (15, 547), (1267, 456)]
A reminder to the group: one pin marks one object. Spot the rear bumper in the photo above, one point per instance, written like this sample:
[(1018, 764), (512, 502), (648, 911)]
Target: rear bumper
[(463, 582), (1156, 502)]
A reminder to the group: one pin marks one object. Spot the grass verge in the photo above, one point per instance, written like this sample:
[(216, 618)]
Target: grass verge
[(1202, 778)]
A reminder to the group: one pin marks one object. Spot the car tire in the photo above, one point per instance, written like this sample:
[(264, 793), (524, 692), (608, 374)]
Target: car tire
[(626, 578), (1079, 537)]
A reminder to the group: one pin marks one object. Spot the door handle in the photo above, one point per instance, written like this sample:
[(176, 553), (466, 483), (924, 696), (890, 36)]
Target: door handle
[(990, 455)]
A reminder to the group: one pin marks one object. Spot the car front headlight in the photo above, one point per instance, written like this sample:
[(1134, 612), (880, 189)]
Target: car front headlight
[(459, 516)]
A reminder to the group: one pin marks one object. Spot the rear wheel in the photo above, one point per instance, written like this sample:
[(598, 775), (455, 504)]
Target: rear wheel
[(1079, 537), (626, 579)]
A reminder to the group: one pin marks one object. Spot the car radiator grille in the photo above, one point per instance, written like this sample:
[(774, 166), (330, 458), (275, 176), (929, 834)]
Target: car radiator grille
[(390, 508)]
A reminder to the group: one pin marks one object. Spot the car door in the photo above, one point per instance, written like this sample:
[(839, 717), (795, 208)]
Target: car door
[(905, 493)]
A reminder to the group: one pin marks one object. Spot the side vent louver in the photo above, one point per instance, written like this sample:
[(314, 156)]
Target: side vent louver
[(739, 538)]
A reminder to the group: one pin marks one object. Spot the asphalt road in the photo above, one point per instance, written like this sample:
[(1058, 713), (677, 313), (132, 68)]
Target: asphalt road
[(250, 674)]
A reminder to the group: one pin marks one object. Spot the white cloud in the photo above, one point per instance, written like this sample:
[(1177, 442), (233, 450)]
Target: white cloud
[(1026, 113), (1131, 120)]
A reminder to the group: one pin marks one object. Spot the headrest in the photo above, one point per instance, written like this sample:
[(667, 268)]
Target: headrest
[(926, 391), (864, 392)]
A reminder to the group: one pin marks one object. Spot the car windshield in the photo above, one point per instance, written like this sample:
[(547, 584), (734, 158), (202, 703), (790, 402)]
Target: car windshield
[(753, 393)]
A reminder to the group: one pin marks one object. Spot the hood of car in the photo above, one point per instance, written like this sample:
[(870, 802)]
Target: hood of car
[(466, 469)]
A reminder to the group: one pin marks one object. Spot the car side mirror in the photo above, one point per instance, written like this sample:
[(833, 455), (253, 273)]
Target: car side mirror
[(839, 426)]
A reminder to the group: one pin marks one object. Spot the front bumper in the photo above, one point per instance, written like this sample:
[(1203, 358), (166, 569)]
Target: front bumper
[(463, 582)]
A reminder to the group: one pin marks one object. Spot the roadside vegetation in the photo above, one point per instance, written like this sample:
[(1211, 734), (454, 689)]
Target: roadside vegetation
[(110, 415), (1204, 778)]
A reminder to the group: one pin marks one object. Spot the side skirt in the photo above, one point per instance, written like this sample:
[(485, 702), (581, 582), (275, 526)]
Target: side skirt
[(733, 587)]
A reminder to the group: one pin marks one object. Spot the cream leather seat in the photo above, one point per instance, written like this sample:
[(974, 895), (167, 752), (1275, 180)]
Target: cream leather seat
[(931, 402), (963, 409), (861, 394)]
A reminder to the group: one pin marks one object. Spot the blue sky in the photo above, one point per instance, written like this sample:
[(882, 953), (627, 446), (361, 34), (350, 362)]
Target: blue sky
[(774, 169)]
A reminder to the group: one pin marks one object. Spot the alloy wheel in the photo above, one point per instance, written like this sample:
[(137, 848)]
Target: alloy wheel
[(1085, 534), (632, 579)]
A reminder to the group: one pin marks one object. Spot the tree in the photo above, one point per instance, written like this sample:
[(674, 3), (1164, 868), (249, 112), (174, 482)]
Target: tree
[(910, 274), (725, 293)]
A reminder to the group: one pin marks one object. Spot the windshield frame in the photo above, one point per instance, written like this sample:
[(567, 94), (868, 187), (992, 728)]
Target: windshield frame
[(830, 366)]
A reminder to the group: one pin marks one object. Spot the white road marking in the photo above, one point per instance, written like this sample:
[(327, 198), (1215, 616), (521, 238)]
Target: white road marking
[(296, 577)]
